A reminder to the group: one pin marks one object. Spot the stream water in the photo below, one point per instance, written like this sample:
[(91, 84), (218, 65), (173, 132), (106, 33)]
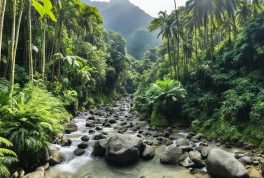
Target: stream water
[(87, 166)]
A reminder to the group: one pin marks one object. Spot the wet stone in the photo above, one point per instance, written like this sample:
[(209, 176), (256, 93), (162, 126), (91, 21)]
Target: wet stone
[(83, 145), (91, 131), (85, 138)]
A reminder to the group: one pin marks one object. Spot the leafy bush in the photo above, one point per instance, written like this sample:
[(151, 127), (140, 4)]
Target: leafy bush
[(30, 119), (161, 99)]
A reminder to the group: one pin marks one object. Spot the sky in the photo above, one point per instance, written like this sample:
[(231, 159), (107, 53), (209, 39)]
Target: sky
[(153, 7)]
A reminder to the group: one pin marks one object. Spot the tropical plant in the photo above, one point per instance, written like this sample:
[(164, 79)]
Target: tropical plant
[(7, 157), (162, 97)]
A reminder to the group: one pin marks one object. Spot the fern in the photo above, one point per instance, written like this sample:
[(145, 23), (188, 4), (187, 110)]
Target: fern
[(7, 157), (30, 120)]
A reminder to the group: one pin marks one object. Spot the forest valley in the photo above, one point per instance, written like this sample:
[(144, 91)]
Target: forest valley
[(57, 60)]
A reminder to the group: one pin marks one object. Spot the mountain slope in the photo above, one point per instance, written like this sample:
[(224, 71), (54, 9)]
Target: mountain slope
[(127, 19)]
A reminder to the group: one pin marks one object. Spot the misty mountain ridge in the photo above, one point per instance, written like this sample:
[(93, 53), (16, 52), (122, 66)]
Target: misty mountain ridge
[(129, 20)]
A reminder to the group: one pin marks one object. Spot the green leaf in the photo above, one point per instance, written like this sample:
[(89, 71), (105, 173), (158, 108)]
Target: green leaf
[(47, 5), (52, 16), (174, 98), (39, 8)]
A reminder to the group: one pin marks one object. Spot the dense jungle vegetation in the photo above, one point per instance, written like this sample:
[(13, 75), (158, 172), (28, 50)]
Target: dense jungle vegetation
[(57, 59)]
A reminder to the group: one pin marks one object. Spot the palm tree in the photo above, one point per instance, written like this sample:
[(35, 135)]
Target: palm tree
[(230, 8), (204, 13), (44, 10), (164, 24)]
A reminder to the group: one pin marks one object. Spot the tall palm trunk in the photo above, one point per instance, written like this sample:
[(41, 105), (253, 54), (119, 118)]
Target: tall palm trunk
[(14, 42), (31, 69), (173, 56), (2, 18), (169, 54), (43, 57), (196, 41), (175, 5), (18, 26), (11, 48)]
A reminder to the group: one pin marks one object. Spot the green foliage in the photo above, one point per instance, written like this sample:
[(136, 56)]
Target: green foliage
[(7, 157), (157, 119), (226, 96), (31, 118), (44, 8), (161, 99)]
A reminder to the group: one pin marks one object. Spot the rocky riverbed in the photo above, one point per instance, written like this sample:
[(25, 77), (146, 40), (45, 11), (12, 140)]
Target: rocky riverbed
[(113, 141)]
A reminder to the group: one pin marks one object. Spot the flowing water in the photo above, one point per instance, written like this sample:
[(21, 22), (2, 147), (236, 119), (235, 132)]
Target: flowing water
[(87, 166)]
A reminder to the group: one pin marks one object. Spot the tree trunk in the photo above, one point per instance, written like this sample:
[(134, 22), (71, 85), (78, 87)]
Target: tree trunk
[(175, 5), (11, 49), (169, 55), (18, 26), (14, 42), (2, 18), (43, 57), (174, 57), (31, 69)]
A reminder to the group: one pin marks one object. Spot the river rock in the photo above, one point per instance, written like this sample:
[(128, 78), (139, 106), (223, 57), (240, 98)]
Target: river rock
[(85, 138), (91, 131), (91, 118), (262, 167), (205, 151), (63, 140), (186, 148), (98, 128), (71, 127), (55, 158), (98, 136), (79, 152), (40, 169), (182, 142), (99, 147), (246, 160), (90, 124), (36, 174), (166, 134), (123, 149), (223, 164), (185, 161), (106, 124), (198, 136), (171, 155), (112, 121), (83, 145), (148, 153), (195, 154)]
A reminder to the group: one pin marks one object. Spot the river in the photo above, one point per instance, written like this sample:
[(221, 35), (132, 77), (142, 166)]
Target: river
[(87, 166)]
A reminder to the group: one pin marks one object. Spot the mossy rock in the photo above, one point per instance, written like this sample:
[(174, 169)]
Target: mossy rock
[(158, 119)]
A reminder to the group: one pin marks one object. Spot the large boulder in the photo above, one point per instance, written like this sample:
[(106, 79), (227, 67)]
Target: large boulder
[(182, 142), (171, 155), (36, 174), (223, 164), (99, 147), (71, 127), (148, 153), (122, 149)]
